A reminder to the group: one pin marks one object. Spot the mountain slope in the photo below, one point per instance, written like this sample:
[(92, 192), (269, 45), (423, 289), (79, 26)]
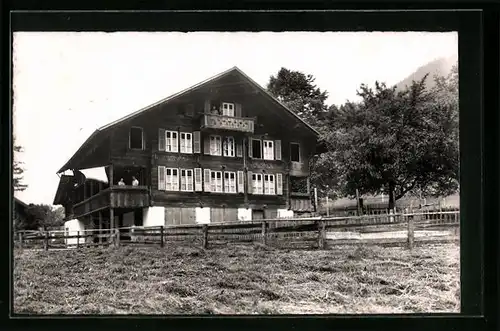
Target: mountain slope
[(441, 67)]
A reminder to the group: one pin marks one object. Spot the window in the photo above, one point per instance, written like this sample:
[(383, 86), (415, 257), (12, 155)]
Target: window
[(186, 180), (171, 141), (229, 146), (268, 150), (229, 182), (269, 184), (256, 149), (228, 109), (257, 183), (136, 141), (172, 179), (294, 152), (216, 181), (186, 143), (215, 145)]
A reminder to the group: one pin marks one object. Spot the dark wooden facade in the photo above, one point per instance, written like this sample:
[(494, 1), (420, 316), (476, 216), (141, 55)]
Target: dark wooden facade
[(200, 113)]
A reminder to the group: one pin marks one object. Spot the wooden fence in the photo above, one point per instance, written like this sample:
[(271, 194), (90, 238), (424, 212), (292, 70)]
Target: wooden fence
[(293, 233)]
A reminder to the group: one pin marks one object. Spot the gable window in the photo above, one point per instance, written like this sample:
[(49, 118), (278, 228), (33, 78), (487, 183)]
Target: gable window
[(186, 143), (268, 150), (136, 140), (256, 149), (269, 186), (257, 183), (294, 152), (216, 181), (228, 109), (229, 182), (215, 145), (171, 138), (229, 146), (187, 180), (172, 179)]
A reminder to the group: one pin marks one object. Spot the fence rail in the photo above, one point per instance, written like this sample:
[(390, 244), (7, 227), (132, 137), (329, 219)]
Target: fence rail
[(315, 232)]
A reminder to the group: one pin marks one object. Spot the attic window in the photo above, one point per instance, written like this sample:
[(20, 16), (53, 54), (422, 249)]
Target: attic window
[(136, 138), (228, 109), (294, 152), (256, 149)]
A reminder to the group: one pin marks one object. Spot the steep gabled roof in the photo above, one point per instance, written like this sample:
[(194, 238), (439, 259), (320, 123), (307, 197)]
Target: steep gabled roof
[(102, 131)]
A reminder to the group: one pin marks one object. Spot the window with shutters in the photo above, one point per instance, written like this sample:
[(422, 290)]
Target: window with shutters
[(186, 143), (294, 152), (186, 180), (172, 179), (256, 149), (229, 146), (241, 182), (198, 186), (269, 184), (136, 140), (196, 142), (228, 109), (215, 145), (216, 181), (171, 138), (268, 150), (257, 183), (229, 182), (279, 184)]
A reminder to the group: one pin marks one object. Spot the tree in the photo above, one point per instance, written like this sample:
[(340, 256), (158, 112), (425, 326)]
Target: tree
[(299, 93), (17, 170), (41, 216), (393, 143)]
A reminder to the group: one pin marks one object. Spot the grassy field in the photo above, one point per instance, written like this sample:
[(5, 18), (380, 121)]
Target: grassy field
[(237, 280)]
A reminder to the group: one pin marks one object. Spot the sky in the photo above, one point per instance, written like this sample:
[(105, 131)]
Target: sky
[(66, 85)]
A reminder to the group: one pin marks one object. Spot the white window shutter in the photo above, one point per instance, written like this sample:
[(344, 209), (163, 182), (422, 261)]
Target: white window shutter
[(175, 142), (239, 148), (249, 182), (279, 184), (161, 139), (206, 146), (161, 178), (206, 180), (241, 182), (277, 149), (237, 110), (198, 182), (250, 153), (176, 188), (196, 142)]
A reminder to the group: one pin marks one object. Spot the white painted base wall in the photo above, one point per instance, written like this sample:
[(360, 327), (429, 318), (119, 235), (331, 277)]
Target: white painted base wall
[(71, 228), (244, 214), (285, 213), (202, 215), (153, 216)]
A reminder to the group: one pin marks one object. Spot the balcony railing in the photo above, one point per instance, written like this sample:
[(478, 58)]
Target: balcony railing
[(129, 196), (96, 202), (211, 121), (299, 169)]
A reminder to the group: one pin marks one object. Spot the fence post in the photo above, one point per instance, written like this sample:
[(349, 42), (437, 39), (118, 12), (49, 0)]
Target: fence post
[(77, 239), (20, 240), (410, 231), (264, 232), (46, 241), (321, 234), (205, 236), (161, 238), (117, 233)]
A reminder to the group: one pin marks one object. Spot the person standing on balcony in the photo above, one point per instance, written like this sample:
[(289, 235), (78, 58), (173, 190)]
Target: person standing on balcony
[(135, 182), (121, 182)]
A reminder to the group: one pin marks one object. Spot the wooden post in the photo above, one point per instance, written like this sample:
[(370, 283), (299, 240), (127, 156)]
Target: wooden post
[(77, 239), (205, 236), (100, 228), (327, 207), (358, 206), (161, 236), (21, 240), (411, 235), (321, 234), (46, 241), (264, 234), (111, 223), (117, 234)]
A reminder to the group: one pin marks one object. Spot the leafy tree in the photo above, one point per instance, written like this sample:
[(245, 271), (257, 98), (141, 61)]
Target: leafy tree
[(41, 216), (299, 93), (18, 170), (393, 143)]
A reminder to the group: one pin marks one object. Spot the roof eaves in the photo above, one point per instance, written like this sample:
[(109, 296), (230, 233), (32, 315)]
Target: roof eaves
[(64, 167)]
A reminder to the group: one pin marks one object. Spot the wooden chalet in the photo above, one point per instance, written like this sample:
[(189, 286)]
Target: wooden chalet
[(222, 150)]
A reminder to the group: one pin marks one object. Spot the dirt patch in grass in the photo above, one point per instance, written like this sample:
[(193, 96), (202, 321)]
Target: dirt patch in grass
[(237, 280)]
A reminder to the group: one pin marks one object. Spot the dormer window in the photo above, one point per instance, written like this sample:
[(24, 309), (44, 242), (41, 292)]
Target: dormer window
[(228, 109), (136, 140)]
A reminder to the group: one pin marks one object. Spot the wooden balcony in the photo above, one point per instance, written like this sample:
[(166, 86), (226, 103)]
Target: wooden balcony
[(230, 123), (94, 203), (299, 169), (129, 196)]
